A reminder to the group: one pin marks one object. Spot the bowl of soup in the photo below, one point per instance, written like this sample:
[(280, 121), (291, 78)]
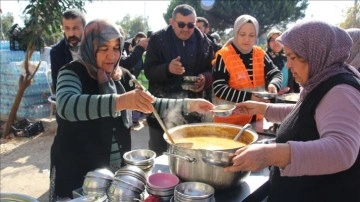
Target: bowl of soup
[(202, 150)]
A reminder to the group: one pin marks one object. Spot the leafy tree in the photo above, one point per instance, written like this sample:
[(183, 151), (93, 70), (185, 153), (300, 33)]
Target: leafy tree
[(6, 20), (133, 26), (352, 18), (269, 13), (43, 17)]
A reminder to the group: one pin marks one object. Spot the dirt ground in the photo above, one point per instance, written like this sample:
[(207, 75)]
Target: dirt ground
[(25, 162)]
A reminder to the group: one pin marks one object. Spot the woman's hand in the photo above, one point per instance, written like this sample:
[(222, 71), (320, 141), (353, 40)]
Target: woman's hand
[(199, 105), (272, 88), (250, 108), (135, 100), (249, 158), (259, 156)]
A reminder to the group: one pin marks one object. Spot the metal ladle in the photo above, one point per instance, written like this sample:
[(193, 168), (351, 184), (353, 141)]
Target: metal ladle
[(158, 118), (156, 114), (242, 131)]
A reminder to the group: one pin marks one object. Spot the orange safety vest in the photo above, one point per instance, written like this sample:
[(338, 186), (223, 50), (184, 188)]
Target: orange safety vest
[(240, 80)]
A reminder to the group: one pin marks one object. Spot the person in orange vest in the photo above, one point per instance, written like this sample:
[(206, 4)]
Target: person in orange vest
[(240, 68)]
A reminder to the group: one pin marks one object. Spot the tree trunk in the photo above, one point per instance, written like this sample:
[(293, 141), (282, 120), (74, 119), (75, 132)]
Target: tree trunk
[(24, 82)]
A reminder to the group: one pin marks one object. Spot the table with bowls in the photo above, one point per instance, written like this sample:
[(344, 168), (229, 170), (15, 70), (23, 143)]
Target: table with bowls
[(238, 192)]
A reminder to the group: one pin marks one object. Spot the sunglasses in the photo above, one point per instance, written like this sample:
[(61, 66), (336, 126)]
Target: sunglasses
[(183, 24)]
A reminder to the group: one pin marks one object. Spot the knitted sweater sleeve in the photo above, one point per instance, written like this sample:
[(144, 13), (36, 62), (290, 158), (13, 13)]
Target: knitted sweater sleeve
[(72, 105), (337, 118)]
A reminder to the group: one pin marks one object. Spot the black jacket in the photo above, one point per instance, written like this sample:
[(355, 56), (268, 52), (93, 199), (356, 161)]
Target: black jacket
[(159, 54), (60, 55)]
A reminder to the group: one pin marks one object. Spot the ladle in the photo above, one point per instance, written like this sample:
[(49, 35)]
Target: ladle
[(156, 114), (242, 131)]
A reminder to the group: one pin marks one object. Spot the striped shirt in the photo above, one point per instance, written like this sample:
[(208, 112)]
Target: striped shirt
[(72, 105), (221, 78)]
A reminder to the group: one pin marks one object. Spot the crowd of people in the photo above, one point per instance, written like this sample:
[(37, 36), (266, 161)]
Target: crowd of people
[(318, 141)]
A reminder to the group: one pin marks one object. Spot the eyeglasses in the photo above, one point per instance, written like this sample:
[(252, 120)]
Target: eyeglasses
[(183, 24)]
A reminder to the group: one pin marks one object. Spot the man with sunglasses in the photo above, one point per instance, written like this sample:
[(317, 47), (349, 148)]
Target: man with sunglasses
[(176, 51)]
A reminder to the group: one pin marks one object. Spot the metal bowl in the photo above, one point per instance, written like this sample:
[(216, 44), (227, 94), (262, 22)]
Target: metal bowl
[(188, 86), (190, 78), (132, 171), (131, 181), (223, 110), (140, 157), (117, 190), (11, 197), (193, 190), (217, 158), (101, 173), (264, 94)]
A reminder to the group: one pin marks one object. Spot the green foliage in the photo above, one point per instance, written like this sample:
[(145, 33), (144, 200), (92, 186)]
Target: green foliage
[(6, 21), (269, 13), (133, 26), (44, 16), (352, 18)]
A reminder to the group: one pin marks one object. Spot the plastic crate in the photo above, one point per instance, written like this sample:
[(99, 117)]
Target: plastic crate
[(16, 45)]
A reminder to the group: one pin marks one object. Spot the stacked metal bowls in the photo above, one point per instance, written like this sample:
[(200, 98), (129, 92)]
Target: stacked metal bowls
[(162, 185), (128, 185), (96, 182), (189, 82), (142, 158), (193, 192)]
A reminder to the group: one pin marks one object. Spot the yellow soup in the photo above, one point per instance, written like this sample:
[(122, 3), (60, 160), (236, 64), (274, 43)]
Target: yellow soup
[(211, 143)]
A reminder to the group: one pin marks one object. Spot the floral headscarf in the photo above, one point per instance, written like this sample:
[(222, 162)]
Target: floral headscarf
[(354, 58), (324, 46), (96, 34)]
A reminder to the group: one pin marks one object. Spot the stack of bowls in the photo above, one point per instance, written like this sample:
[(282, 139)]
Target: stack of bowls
[(142, 158), (193, 192), (162, 185), (128, 185), (96, 182)]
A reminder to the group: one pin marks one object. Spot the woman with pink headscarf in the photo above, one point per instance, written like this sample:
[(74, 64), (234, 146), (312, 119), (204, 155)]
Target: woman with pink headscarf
[(315, 156)]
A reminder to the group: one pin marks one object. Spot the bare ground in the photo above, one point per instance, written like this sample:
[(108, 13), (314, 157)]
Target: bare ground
[(25, 162)]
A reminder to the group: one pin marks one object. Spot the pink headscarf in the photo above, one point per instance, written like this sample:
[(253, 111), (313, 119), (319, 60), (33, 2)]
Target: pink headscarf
[(324, 46)]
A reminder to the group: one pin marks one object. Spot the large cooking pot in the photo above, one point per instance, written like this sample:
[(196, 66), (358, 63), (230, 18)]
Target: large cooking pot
[(196, 164)]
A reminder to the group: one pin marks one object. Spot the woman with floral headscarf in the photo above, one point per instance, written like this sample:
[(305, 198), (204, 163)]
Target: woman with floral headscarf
[(92, 110), (316, 153), (240, 68)]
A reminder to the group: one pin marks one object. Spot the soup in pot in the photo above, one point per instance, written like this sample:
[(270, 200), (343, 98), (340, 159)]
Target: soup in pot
[(211, 143)]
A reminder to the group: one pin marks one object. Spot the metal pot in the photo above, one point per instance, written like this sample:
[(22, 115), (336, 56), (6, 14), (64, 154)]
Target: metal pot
[(194, 164)]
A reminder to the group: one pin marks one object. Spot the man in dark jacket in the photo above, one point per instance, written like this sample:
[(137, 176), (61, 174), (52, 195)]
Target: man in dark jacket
[(204, 26), (176, 51), (66, 50)]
